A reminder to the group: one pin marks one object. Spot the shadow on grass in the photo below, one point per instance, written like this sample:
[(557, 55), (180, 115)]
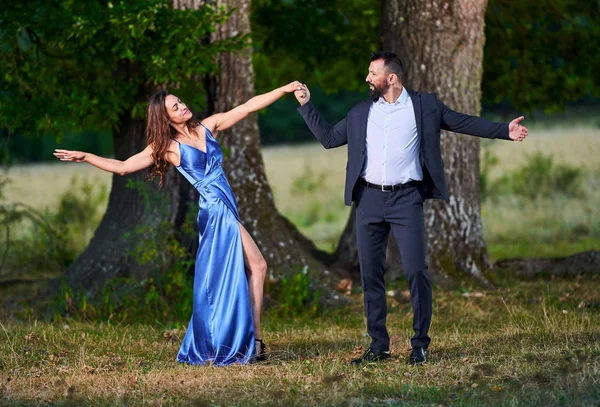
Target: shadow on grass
[(296, 350)]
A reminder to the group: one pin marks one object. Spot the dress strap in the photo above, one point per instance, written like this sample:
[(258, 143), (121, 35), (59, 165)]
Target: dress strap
[(207, 130)]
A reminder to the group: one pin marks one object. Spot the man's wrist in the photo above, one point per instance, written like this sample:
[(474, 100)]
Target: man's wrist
[(303, 104)]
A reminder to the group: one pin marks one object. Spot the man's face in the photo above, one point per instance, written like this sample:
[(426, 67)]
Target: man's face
[(377, 78)]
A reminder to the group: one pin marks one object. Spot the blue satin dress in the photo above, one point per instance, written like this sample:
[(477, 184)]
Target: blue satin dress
[(221, 330)]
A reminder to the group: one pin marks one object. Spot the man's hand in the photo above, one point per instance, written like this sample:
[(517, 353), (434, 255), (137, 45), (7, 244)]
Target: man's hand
[(516, 131), (302, 95)]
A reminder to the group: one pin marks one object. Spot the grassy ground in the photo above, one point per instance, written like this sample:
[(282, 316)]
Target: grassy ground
[(529, 343), (533, 343)]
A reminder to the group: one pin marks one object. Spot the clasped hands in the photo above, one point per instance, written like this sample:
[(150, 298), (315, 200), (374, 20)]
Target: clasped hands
[(300, 91)]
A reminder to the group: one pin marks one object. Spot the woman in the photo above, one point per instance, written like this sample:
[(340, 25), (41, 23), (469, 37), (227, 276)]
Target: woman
[(225, 323)]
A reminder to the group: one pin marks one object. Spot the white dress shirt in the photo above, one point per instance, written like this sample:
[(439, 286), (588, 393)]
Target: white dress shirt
[(392, 143)]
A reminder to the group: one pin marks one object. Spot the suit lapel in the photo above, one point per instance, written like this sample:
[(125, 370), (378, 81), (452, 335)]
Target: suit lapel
[(363, 117), (416, 101)]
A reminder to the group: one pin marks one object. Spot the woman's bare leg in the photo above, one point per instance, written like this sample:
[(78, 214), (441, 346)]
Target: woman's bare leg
[(256, 269)]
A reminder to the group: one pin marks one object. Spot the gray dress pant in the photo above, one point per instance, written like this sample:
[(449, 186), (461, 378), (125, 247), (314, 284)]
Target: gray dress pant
[(401, 211)]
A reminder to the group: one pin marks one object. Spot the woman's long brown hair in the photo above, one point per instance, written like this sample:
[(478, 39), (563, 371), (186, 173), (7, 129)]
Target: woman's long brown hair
[(159, 134)]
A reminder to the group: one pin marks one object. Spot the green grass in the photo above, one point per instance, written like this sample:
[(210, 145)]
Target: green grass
[(529, 343), (554, 226)]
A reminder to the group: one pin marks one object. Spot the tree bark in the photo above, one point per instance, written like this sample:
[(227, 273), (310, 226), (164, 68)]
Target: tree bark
[(285, 249), (441, 46)]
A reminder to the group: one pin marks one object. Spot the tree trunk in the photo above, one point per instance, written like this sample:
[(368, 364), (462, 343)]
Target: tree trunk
[(441, 46), (282, 245)]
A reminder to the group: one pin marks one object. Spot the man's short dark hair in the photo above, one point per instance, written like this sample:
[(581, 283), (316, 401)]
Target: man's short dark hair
[(390, 61)]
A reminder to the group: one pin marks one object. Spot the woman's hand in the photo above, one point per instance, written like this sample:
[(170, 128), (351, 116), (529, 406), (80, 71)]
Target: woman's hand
[(292, 87), (68, 155)]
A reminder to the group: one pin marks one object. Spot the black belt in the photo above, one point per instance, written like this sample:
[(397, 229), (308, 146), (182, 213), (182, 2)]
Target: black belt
[(387, 188)]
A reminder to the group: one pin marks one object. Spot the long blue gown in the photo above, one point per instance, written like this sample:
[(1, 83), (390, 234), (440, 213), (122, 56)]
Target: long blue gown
[(221, 330)]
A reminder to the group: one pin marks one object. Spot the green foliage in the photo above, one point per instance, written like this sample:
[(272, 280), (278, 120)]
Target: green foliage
[(294, 296), (540, 209), (81, 65), (166, 295), (27, 149), (539, 177), (79, 212), (323, 42), (541, 53)]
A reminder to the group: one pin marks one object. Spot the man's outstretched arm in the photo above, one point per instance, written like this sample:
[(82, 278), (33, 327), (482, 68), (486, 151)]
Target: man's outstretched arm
[(477, 126), (330, 136)]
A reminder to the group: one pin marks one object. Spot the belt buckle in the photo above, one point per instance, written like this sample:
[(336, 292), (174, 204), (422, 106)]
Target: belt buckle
[(383, 188)]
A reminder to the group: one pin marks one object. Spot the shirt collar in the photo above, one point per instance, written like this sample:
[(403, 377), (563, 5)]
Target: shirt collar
[(402, 99)]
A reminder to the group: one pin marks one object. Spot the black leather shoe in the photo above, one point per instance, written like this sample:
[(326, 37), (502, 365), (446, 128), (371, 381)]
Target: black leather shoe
[(418, 356), (371, 356)]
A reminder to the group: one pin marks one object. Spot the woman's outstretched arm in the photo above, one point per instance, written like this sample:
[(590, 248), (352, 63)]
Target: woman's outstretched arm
[(134, 163), (222, 121)]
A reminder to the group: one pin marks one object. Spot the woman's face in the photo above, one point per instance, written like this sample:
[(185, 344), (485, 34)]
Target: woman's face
[(177, 110)]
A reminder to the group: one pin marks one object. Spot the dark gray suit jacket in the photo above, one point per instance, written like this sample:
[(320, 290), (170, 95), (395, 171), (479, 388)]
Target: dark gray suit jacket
[(431, 115)]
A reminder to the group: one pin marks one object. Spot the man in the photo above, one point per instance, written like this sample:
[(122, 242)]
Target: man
[(394, 164)]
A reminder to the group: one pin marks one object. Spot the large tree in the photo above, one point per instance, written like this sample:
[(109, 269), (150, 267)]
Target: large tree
[(79, 65), (69, 65), (284, 248), (534, 60), (441, 44)]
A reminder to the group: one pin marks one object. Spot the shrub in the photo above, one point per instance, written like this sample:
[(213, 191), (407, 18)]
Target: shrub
[(294, 296), (539, 177), (43, 242)]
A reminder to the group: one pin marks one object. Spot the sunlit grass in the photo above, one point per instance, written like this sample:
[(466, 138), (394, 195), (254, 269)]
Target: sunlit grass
[(535, 343)]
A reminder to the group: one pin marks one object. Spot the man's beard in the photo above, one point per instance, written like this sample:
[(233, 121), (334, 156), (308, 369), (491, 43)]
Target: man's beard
[(377, 92)]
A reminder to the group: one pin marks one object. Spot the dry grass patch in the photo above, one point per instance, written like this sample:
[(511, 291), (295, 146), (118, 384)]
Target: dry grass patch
[(526, 345)]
